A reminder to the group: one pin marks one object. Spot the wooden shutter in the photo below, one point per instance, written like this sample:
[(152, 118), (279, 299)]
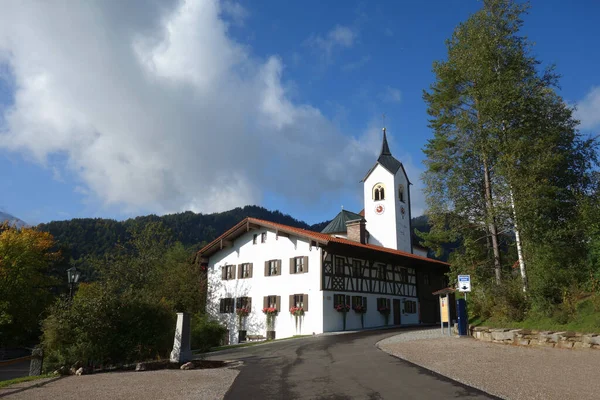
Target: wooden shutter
[(278, 267), (233, 272), (249, 303), (266, 268), (250, 267), (239, 272), (278, 303), (305, 266), (292, 265), (265, 301), (347, 299), (221, 306), (305, 298), (364, 302), (223, 272), (292, 304)]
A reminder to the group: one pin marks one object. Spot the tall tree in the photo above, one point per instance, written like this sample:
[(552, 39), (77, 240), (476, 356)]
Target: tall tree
[(506, 154)]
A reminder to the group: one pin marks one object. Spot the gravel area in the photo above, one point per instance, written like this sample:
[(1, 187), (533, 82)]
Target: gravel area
[(511, 372), (209, 384)]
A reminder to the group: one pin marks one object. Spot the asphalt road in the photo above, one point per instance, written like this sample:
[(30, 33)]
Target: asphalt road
[(336, 367), (16, 370)]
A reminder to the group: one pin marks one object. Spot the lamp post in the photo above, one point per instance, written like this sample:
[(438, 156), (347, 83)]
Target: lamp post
[(73, 275)]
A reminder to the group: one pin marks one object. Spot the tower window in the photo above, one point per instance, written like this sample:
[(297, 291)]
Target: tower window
[(401, 193), (378, 192)]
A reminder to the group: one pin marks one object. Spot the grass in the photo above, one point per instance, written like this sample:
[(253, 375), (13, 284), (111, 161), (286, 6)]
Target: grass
[(248, 344), (585, 320), (9, 382)]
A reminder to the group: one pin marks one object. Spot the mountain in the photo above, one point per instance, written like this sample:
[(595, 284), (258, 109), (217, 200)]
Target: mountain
[(13, 221), (96, 236)]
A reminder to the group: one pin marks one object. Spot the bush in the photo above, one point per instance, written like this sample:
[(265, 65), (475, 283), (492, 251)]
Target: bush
[(100, 327), (206, 332)]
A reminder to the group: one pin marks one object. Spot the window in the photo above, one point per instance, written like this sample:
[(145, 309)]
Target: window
[(410, 306), (244, 302), (298, 265), (255, 238), (226, 305), (359, 302), (378, 192), (245, 271), (271, 302), (426, 279), (272, 267), (263, 237), (401, 193), (383, 304), (382, 272), (299, 300), (403, 275), (227, 272), (356, 268), (339, 266), (341, 300)]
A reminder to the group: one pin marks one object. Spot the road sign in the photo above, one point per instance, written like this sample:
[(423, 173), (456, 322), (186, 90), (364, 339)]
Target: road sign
[(464, 283)]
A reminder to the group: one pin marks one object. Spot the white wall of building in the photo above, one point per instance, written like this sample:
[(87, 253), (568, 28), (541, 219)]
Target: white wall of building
[(333, 320), (283, 248), (391, 228)]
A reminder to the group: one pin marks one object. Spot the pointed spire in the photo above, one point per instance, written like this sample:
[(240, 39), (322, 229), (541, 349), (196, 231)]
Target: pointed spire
[(385, 149)]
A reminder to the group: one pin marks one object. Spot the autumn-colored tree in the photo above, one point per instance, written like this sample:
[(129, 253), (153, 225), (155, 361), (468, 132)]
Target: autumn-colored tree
[(25, 288)]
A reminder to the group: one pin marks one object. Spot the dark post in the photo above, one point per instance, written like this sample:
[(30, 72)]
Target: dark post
[(35, 365), (463, 318)]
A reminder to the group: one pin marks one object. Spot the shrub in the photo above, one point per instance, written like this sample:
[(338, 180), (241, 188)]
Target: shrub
[(101, 327), (206, 332)]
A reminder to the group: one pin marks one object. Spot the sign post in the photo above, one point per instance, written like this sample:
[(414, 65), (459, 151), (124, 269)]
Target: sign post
[(464, 286)]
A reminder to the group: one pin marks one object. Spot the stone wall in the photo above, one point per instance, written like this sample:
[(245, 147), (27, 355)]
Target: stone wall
[(526, 337)]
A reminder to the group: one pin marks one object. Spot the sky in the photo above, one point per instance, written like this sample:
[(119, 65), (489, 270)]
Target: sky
[(116, 109)]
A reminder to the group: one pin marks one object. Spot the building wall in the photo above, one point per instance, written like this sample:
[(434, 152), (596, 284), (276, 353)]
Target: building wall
[(392, 228), (283, 248), (333, 320), (419, 251)]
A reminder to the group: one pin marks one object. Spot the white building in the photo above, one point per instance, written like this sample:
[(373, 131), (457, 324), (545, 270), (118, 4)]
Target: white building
[(366, 261)]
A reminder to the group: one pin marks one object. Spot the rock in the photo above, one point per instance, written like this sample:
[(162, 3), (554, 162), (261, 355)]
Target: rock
[(523, 342), (140, 367), (79, 371), (577, 345), (187, 365), (72, 371), (502, 335), (565, 344)]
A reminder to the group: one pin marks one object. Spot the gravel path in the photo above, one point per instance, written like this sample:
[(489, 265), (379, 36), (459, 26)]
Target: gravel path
[(203, 384), (510, 372)]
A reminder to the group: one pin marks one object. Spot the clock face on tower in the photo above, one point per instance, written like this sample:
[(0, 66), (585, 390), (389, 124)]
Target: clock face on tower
[(379, 209)]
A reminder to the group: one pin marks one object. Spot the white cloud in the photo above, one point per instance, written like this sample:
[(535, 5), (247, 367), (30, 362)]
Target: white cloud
[(236, 11), (588, 110), (353, 66), (391, 95), (338, 37), (156, 108)]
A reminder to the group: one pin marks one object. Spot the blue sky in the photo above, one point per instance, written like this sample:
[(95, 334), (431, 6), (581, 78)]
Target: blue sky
[(169, 107)]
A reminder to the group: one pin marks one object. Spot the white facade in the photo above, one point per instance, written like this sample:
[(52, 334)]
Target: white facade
[(258, 286), (388, 220)]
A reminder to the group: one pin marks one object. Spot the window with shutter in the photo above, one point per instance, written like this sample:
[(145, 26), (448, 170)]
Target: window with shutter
[(272, 268), (244, 271), (298, 265), (263, 237), (339, 266), (226, 305), (254, 238), (228, 272)]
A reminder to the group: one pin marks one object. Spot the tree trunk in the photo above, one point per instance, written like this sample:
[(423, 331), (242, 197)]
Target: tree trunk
[(518, 239), (492, 220)]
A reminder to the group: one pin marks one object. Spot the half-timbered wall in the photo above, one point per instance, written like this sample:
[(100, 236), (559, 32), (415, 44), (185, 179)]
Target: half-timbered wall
[(348, 274)]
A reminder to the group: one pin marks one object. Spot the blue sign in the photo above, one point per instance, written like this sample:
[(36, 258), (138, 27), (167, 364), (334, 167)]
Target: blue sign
[(464, 283)]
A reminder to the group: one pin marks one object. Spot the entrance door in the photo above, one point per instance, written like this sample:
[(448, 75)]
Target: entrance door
[(396, 311)]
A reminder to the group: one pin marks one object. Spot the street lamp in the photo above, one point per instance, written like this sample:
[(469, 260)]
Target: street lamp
[(73, 275)]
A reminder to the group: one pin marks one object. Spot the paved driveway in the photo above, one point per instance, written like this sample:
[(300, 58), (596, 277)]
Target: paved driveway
[(345, 366)]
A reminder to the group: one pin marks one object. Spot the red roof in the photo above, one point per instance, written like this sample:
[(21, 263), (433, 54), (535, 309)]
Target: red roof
[(319, 237)]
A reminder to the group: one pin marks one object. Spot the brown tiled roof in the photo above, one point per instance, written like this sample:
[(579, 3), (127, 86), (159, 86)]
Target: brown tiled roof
[(319, 237)]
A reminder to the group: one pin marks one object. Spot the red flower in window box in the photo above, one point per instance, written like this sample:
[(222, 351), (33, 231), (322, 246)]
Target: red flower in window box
[(242, 311), (269, 310), (384, 310), (359, 309), (297, 311), (342, 308)]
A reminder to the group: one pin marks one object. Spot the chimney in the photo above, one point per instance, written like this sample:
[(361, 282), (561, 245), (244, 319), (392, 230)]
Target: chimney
[(357, 231)]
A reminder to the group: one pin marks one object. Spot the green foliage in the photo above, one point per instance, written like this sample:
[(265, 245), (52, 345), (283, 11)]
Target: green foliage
[(206, 333), (102, 327), (96, 237), (25, 289)]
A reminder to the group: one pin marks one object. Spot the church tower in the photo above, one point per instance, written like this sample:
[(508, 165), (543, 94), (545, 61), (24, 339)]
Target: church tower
[(387, 202)]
